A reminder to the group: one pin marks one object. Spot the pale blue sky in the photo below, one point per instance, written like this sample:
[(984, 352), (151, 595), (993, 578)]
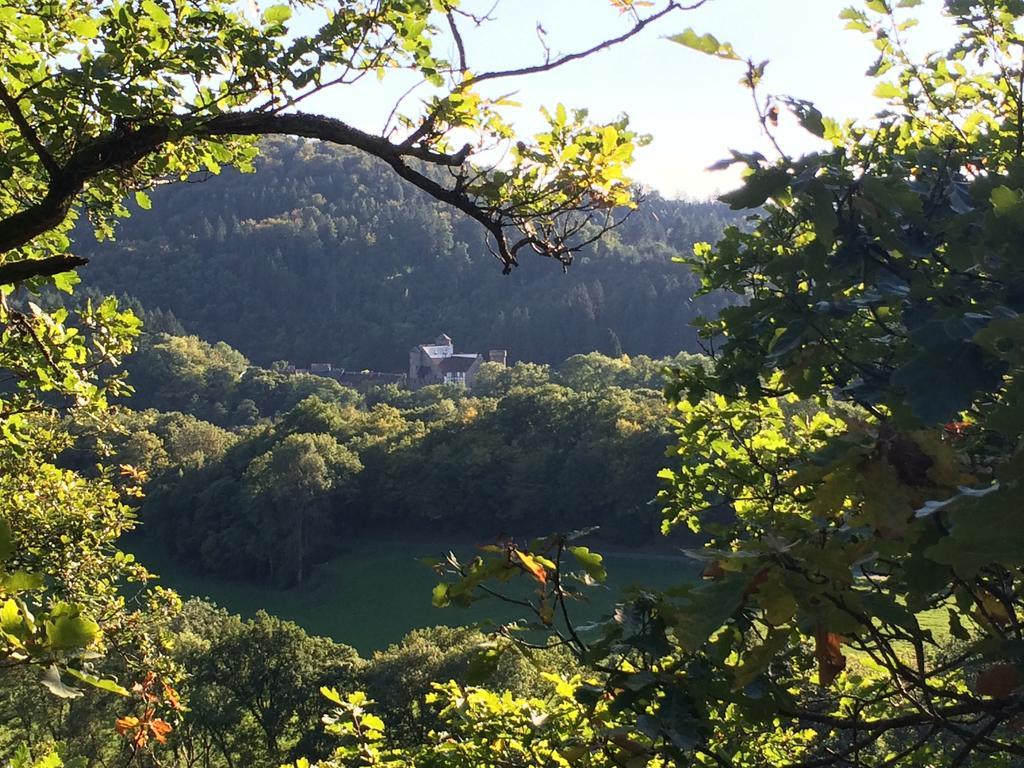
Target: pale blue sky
[(691, 104)]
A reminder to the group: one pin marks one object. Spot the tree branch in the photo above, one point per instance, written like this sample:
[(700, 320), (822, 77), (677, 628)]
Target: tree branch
[(941, 718), (459, 45), (28, 132), (124, 148), (117, 149), (110, 150), (310, 126), (570, 57), (17, 271)]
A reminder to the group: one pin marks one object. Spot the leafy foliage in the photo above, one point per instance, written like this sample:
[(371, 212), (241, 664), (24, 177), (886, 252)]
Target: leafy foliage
[(62, 575), (251, 695), (851, 456), (486, 728), (847, 489), (100, 103)]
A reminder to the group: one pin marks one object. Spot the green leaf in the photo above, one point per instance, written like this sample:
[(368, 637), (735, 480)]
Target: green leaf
[(592, 563), (825, 220), (277, 14), (84, 27), (777, 601), (756, 660), (484, 662), (332, 695), (104, 684), (885, 608), (1004, 200), (66, 281), (11, 620), (156, 13), (20, 581), (933, 395), (708, 44), (69, 630), (787, 339), (887, 91), (757, 188), (956, 627), (143, 200), (808, 115), (707, 608), (439, 596), (32, 27), (978, 534)]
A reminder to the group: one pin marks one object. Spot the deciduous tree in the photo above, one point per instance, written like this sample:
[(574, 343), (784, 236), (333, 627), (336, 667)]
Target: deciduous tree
[(852, 458)]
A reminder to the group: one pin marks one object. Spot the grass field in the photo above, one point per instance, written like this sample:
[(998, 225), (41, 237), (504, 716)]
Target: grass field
[(373, 595)]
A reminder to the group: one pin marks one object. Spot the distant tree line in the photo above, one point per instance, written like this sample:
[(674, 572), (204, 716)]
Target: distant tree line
[(324, 255)]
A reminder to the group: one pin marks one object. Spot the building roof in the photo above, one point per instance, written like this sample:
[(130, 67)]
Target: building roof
[(434, 350), (457, 363)]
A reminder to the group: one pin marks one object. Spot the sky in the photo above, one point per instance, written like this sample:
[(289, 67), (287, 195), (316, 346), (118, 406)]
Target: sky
[(691, 104)]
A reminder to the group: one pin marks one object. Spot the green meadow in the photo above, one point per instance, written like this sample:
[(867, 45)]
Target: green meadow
[(372, 595)]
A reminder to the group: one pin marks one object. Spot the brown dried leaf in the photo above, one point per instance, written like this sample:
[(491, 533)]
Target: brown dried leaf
[(999, 681), (828, 652)]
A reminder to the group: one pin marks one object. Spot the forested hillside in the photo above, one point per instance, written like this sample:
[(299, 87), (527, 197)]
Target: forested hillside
[(326, 255)]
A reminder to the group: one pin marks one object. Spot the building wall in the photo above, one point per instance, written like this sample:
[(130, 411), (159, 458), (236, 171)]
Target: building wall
[(473, 369), (423, 369)]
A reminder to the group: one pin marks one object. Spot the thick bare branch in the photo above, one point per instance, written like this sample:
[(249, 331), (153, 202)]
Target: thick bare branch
[(328, 129), (121, 149), (17, 271), (111, 150)]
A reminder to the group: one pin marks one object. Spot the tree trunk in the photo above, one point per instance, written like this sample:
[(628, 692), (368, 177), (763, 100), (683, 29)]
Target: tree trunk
[(300, 556)]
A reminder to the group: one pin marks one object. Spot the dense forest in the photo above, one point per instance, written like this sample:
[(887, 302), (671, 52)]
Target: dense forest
[(260, 474), (234, 259)]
